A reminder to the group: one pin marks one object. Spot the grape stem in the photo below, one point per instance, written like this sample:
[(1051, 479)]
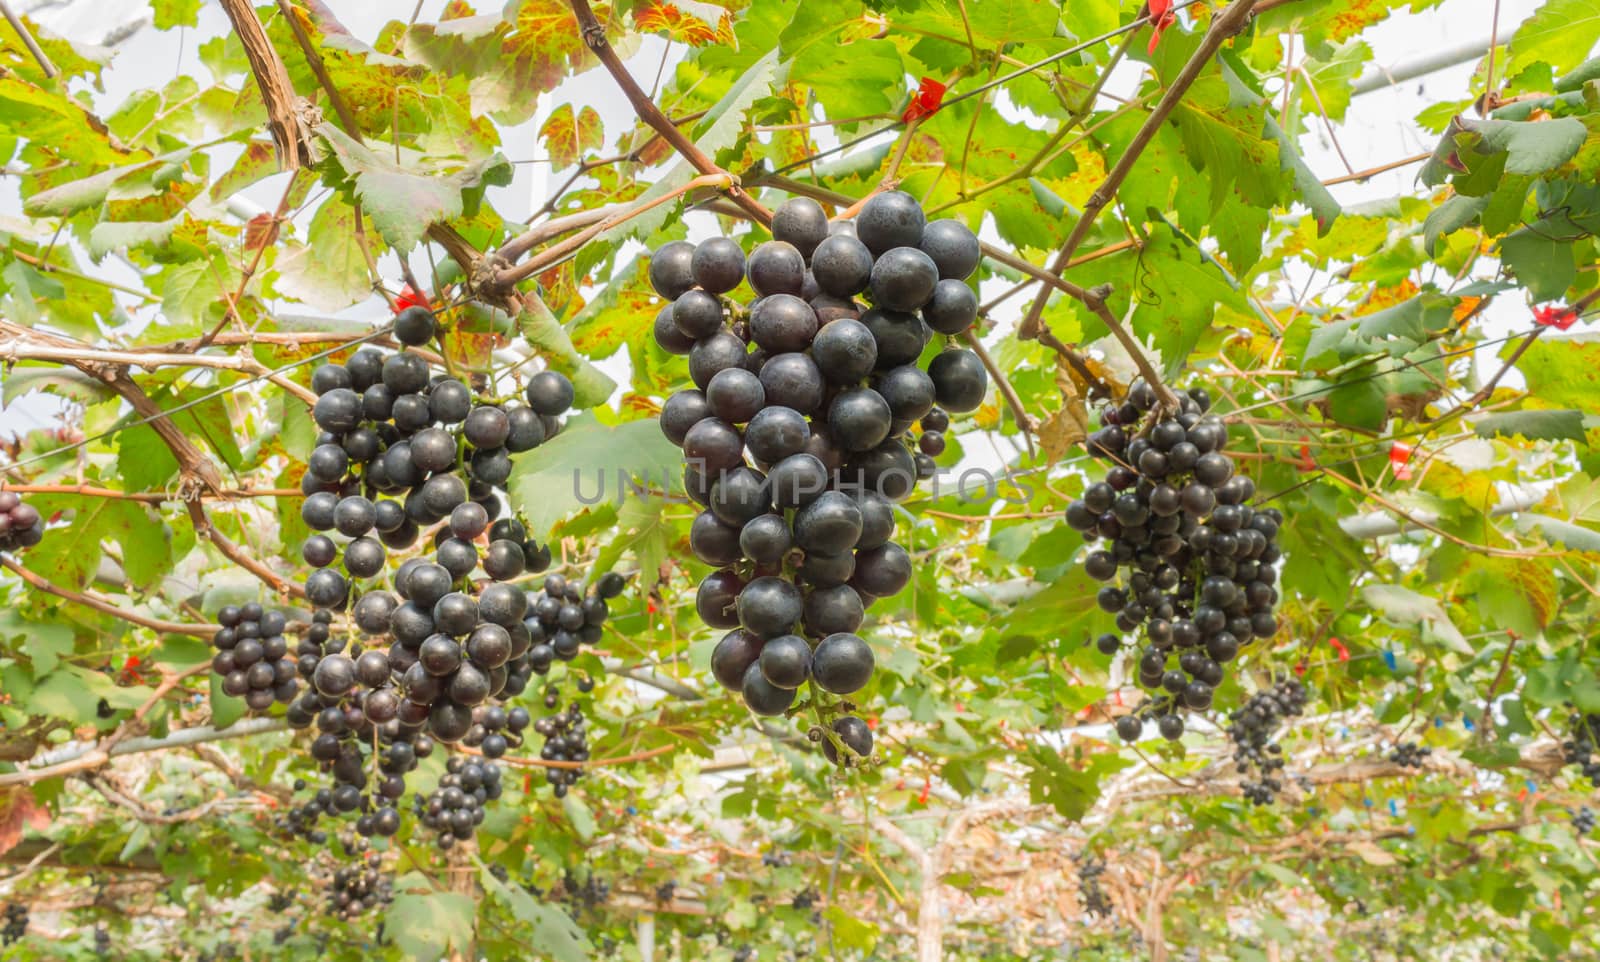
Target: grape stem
[(503, 278), (1225, 25), (277, 93), (594, 35)]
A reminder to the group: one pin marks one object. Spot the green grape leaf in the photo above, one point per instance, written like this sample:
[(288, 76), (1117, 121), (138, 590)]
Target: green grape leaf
[(1535, 425), (425, 923), (1560, 33), (403, 202), (549, 928), (590, 463)]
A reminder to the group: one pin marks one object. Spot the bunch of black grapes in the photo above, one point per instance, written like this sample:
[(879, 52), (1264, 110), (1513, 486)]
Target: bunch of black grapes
[(16, 923), (455, 808), (21, 525), (1583, 819), (566, 739), (1253, 730), (357, 890), (429, 655), (338, 750), (1193, 562), (1583, 731), (562, 617), (580, 897), (1409, 754), (1090, 891), (495, 730), (252, 656), (797, 432), (402, 448)]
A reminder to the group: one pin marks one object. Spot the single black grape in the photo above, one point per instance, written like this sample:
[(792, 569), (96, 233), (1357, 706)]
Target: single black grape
[(842, 664), (889, 220), (718, 265), (953, 247), (671, 269), (415, 325), (777, 267), (800, 221), (959, 380)]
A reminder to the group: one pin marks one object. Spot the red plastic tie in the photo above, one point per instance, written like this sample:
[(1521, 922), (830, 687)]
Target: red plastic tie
[(1162, 16), (1307, 463), (926, 102), (409, 297), (1400, 460), (1559, 318), (1339, 648)]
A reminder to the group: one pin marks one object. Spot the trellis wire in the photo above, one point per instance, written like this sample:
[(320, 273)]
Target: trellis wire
[(209, 396)]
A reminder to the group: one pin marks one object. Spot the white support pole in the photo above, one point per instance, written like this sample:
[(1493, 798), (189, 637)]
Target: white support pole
[(647, 937)]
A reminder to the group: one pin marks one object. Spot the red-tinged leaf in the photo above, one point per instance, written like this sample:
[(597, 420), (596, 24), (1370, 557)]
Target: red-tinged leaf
[(471, 351), (19, 812), (508, 58), (696, 24), (568, 135), (260, 231)]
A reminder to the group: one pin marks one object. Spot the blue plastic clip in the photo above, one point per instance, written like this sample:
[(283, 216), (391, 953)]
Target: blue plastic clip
[(1388, 659)]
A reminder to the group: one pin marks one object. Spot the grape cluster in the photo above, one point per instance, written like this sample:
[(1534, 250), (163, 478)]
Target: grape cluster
[(21, 525), (1090, 892), (102, 941), (390, 426), (565, 740), (1409, 754), (455, 808), (252, 656), (1583, 731), (495, 730), (356, 890), (775, 859), (1252, 728), (579, 896), (1194, 562), (561, 617), (797, 432), (429, 655), (16, 923), (1583, 820)]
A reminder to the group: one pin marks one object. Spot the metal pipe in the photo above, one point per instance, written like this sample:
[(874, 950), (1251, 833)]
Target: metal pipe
[(1380, 78), (1378, 524)]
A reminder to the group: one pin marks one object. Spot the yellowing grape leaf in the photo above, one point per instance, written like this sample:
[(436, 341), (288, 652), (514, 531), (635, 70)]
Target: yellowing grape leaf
[(568, 136)]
